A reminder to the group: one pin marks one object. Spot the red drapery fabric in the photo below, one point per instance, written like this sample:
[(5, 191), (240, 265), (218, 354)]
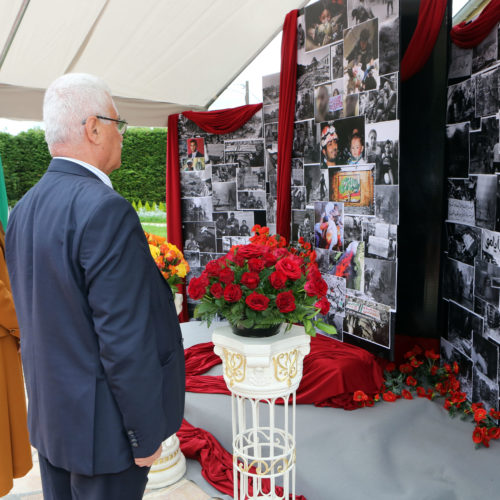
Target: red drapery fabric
[(288, 81), (468, 35), (333, 371), (222, 121), (430, 18)]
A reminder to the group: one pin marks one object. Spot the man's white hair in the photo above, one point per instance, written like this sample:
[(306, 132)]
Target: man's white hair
[(68, 101)]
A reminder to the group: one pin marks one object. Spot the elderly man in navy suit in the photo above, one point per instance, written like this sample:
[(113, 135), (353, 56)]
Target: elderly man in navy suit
[(100, 340)]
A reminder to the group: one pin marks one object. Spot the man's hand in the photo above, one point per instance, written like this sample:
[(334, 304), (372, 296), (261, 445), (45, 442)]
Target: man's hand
[(148, 461)]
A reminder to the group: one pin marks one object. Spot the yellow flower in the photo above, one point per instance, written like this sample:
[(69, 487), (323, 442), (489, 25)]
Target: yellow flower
[(182, 270), (155, 251)]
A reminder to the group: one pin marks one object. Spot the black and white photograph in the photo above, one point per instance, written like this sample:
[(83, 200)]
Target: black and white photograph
[(336, 294), (336, 60), (301, 33), (206, 257), (251, 178), (199, 236), (196, 184), (316, 182), (192, 258), (298, 197), (460, 62), (328, 101), (462, 326), (303, 225), (485, 206), (246, 153), (463, 242), (380, 105), (449, 355), (485, 54), (484, 389), (368, 321), (215, 152), (304, 104), (380, 281), (485, 357), (325, 23), (487, 282), (270, 113), (457, 150), (271, 135), (461, 196), (271, 207), (306, 141), (197, 209), (313, 68), (361, 56), (380, 240), (224, 196), (487, 93), (234, 224), (224, 172), (329, 225), (271, 89), (387, 204), (353, 228), (253, 200), (351, 105), (382, 148), (490, 246), (229, 241), (389, 45), (461, 102), (252, 129), (483, 143), (458, 282), (297, 174), (492, 322), (363, 10)]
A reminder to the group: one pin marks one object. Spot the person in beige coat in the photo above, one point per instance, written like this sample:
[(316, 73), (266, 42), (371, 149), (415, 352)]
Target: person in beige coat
[(15, 450)]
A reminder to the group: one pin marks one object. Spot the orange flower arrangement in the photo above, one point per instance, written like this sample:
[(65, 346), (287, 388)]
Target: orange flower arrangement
[(169, 259)]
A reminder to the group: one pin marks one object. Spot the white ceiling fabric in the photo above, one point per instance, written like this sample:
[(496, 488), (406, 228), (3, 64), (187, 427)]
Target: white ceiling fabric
[(158, 56)]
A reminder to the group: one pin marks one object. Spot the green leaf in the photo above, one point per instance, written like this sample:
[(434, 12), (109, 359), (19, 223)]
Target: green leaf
[(331, 330)]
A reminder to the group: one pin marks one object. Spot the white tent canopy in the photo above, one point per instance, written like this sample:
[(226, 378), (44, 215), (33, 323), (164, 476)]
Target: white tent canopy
[(158, 56)]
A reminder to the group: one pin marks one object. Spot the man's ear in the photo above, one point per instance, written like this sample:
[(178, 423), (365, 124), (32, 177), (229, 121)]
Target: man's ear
[(93, 129)]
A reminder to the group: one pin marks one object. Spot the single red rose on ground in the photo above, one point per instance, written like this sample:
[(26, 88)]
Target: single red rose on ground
[(216, 290), (277, 280), (226, 276), (257, 301), (289, 267), (285, 302), (478, 434), (406, 394), (411, 381), (250, 280), (480, 414), (324, 305), (232, 293), (197, 287), (256, 265), (359, 396), (389, 396)]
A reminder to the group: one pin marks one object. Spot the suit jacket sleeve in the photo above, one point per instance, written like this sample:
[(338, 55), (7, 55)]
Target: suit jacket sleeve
[(115, 260)]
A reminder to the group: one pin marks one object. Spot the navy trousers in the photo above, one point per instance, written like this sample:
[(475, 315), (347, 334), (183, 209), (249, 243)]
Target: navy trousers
[(59, 484)]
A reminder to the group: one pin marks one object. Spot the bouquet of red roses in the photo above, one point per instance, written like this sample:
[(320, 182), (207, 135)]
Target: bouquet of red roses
[(263, 284)]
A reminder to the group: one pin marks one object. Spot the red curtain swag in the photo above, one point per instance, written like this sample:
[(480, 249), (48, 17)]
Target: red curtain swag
[(286, 117), (222, 121), (471, 34), (430, 18)]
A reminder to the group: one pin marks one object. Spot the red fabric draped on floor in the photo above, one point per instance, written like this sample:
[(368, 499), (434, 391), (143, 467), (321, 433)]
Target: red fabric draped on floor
[(332, 372)]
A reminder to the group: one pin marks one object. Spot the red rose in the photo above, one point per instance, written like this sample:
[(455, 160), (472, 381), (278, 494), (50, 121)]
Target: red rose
[(410, 380), (359, 396), (316, 287), (324, 305), (405, 368), (406, 394), (289, 267), (257, 301), (250, 250), (256, 265), (232, 293), (421, 392), (212, 268), (494, 433), (285, 302), (226, 276), (478, 434), (313, 272), (280, 252), (277, 280), (390, 367), (216, 290), (269, 259), (389, 396), (197, 287), (250, 280), (237, 259), (480, 414)]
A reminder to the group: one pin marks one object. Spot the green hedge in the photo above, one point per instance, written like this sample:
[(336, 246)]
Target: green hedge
[(25, 158)]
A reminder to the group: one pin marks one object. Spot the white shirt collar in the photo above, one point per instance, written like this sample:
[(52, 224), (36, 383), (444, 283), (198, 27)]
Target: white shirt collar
[(104, 178)]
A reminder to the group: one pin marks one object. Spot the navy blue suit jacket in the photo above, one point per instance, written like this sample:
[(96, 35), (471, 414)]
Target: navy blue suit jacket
[(100, 339)]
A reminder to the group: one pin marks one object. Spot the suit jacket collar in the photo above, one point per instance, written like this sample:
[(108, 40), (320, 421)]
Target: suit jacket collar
[(69, 167)]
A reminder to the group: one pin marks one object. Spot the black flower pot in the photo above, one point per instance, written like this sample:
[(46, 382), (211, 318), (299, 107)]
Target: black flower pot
[(256, 332)]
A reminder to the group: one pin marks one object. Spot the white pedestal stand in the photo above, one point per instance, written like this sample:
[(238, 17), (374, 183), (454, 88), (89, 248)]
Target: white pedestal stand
[(260, 372), (171, 466)]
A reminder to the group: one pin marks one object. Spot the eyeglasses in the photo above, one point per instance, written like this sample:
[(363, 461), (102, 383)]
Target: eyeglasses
[(121, 124)]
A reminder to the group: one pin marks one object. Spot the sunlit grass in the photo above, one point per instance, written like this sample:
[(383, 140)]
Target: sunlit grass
[(154, 229)]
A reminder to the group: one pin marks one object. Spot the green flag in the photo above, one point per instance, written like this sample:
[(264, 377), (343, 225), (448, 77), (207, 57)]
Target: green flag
[(4, 206)]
